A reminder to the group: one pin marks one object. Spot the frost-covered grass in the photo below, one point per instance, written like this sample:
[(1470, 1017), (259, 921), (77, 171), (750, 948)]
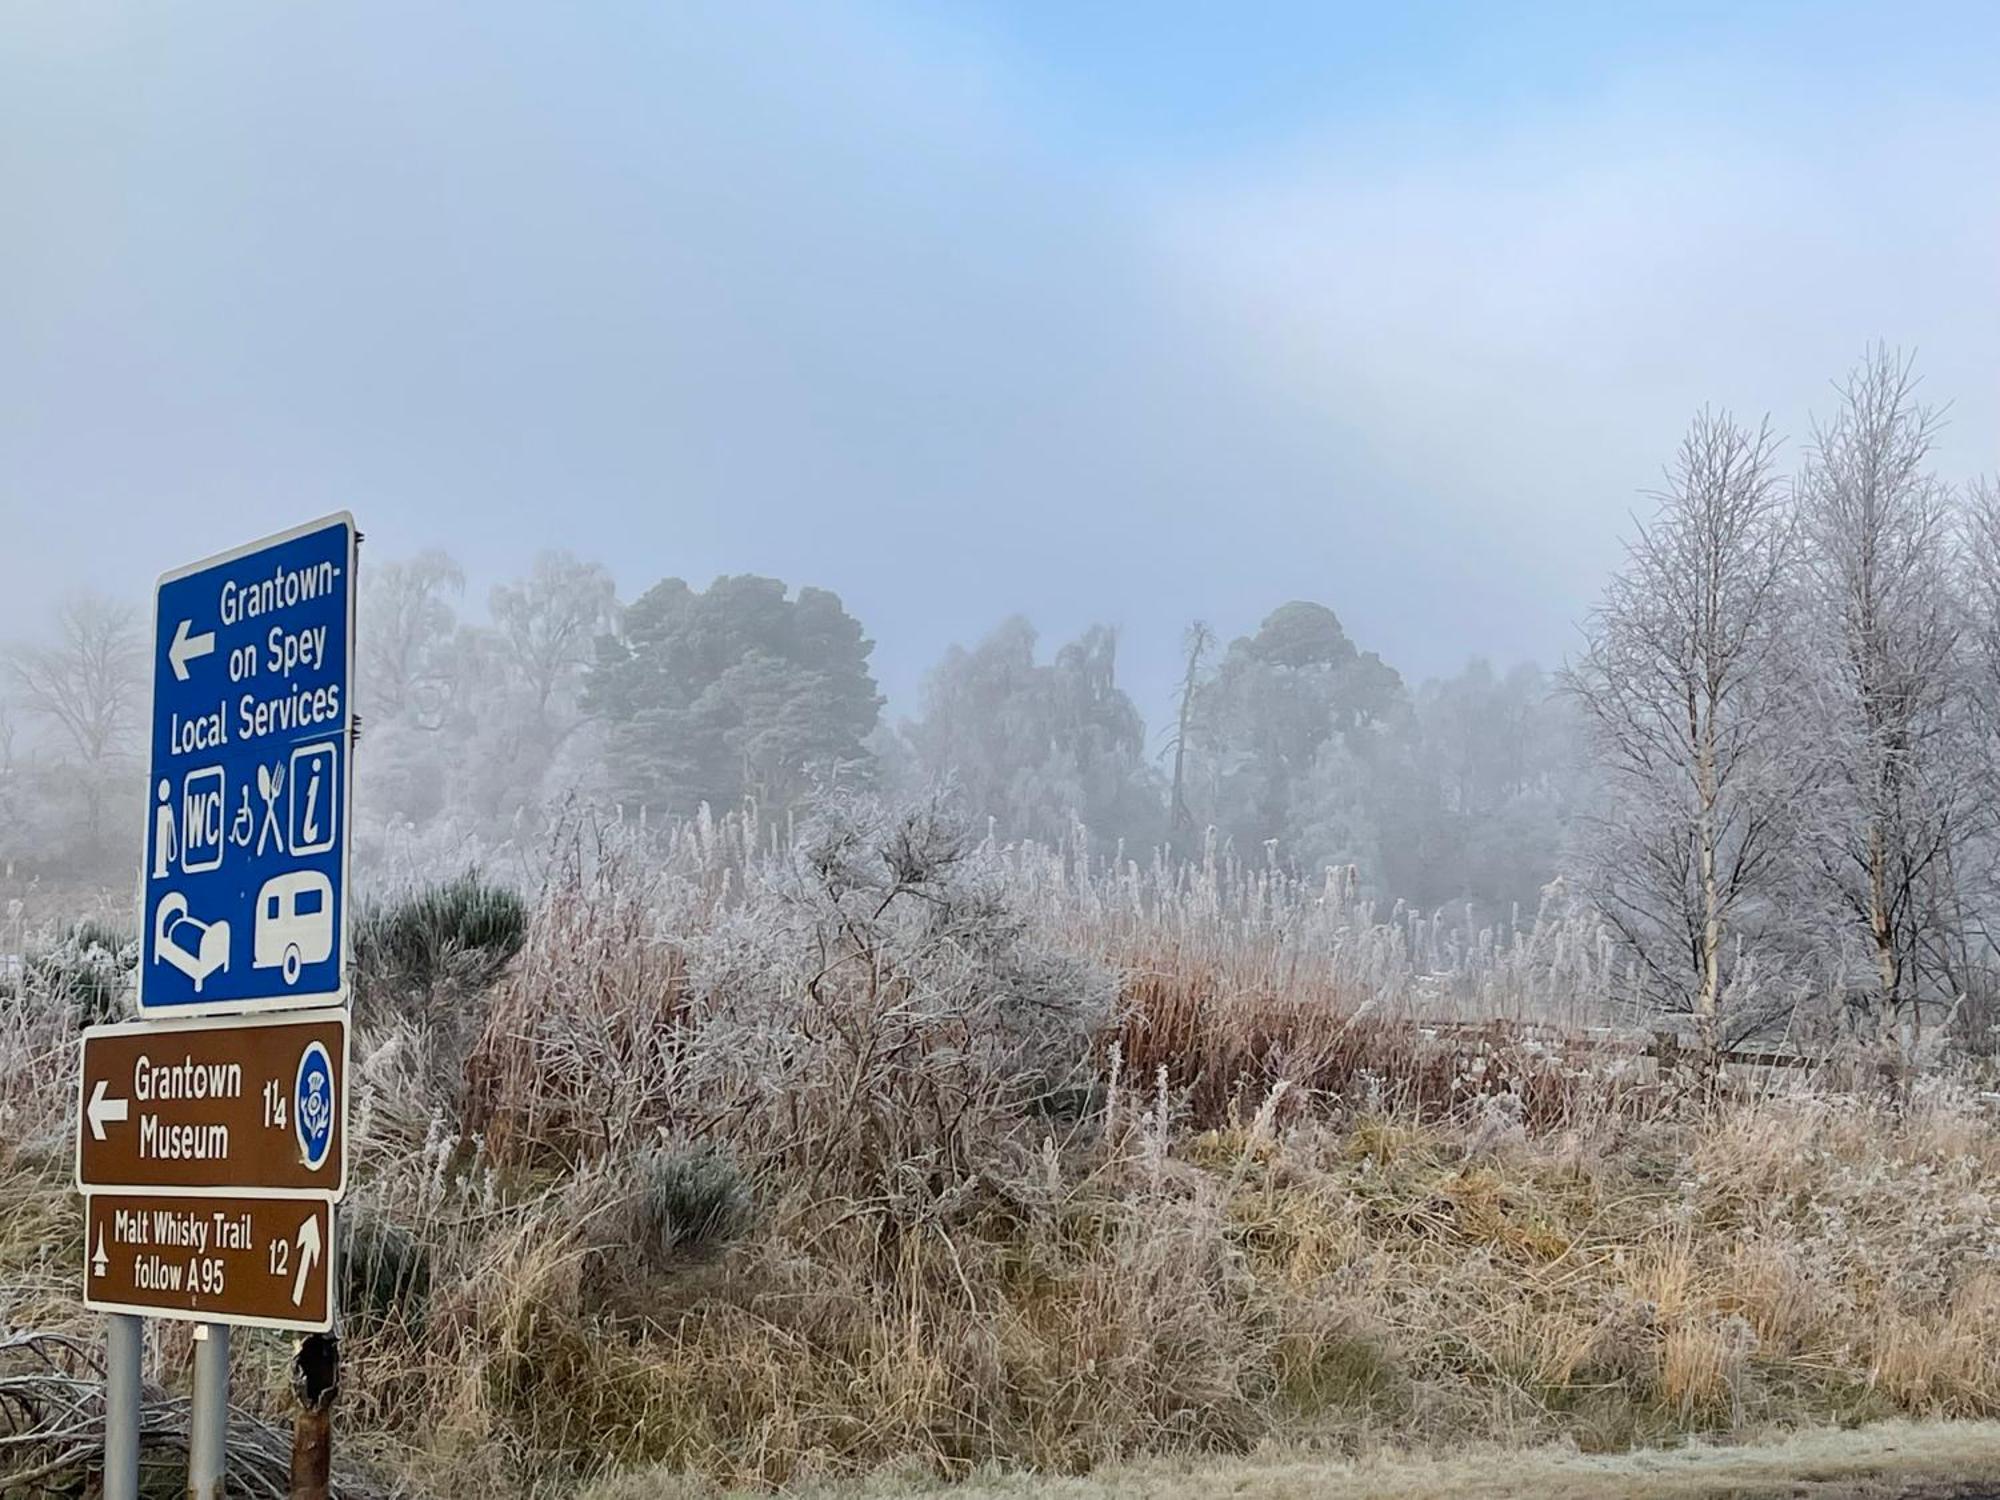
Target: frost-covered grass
[(1895, 1460), (900, 1148)]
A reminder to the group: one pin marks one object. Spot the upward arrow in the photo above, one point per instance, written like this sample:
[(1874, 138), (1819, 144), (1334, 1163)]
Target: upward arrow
[(184, 648), (308, 1253)]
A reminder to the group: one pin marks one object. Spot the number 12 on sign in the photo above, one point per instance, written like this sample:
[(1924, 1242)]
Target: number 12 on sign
[(262, 1262)]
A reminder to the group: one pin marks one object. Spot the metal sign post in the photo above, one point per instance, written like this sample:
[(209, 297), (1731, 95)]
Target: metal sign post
[(208, 1413), (124, 1348), (211, 1149)]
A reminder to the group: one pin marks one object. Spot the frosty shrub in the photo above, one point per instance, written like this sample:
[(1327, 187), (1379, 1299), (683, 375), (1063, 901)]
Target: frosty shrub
[(865, 1006), (917, 1016), (684, 1205), (86, 970), (464, 930)]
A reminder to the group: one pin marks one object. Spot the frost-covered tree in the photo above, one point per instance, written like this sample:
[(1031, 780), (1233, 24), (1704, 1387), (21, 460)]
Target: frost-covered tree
[(1893, 721), (472, 726), (406, 634), (521, 684), (1682, 687), (411, 685), (1039, 746), (548, 624), (1976, 869), (1474, 801), (1336, 815), (85, 683), (1260, 723), (735, 691)]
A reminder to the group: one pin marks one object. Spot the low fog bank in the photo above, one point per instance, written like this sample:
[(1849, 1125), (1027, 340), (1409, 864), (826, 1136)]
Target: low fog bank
[(1764, 771)]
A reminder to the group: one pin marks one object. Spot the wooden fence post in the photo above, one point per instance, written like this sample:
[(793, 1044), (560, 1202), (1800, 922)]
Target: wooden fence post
[(315, 1381)]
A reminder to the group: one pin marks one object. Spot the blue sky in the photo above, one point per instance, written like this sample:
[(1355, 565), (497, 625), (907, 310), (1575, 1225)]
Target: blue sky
[(1121, 313)]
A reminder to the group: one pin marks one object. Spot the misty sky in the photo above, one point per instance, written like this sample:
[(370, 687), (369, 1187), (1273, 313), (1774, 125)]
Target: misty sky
[(1129, 313)]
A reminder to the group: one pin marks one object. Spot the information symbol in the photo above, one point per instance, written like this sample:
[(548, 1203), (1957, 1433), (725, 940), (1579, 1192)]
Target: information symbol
[(312, 790), (312, 1106)]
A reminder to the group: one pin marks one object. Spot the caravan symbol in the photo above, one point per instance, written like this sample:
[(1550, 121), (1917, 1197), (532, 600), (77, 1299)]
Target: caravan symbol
[(294, 923)]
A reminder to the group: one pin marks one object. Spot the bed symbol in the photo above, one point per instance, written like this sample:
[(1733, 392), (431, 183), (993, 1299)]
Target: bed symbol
[(294, 923), (195, 947)]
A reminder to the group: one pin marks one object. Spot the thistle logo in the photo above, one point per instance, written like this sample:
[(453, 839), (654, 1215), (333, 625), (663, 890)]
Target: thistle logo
[(312, 1106)]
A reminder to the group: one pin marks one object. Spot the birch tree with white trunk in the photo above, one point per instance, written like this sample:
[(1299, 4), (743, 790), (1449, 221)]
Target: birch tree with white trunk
[(1894, 726), (1681, 686), (1976, 866)]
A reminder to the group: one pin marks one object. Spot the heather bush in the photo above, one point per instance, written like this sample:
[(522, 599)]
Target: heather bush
[(463, 930), (683, 1205)]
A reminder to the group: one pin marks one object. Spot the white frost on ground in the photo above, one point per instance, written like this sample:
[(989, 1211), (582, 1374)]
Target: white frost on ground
[(1876, 1462)]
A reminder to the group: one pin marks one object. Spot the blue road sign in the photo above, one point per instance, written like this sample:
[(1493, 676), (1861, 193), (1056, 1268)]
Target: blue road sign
[(245, 890)]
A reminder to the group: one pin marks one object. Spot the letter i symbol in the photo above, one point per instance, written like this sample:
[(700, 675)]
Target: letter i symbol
[(312, 802)]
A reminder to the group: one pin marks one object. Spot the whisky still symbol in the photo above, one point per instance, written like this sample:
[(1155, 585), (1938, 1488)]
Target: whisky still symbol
[(211, 1134)]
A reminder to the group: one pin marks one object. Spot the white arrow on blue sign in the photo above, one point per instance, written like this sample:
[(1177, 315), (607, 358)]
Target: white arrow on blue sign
[(245, 890)]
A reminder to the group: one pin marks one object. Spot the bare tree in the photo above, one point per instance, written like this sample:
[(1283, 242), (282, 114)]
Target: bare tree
[(87, 682), (13, 820), (1678, 687), (1976, 877), (1893, 719), (1180, 822), (407, 636), (1981, 520), (550, 622)]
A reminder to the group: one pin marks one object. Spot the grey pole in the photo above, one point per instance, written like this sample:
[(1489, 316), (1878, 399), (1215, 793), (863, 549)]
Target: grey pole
[(208, 1416), (124, 1344)]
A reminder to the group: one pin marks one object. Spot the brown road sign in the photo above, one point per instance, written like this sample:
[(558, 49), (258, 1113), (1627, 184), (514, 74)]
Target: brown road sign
[(263, 1262), (246, 1104)]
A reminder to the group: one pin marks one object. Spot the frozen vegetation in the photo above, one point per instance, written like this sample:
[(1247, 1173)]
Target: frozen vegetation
[(897, 1146), (754, 1092)]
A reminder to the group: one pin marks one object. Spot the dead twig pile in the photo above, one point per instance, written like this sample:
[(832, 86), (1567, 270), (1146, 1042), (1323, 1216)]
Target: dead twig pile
[(52, 1428)]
